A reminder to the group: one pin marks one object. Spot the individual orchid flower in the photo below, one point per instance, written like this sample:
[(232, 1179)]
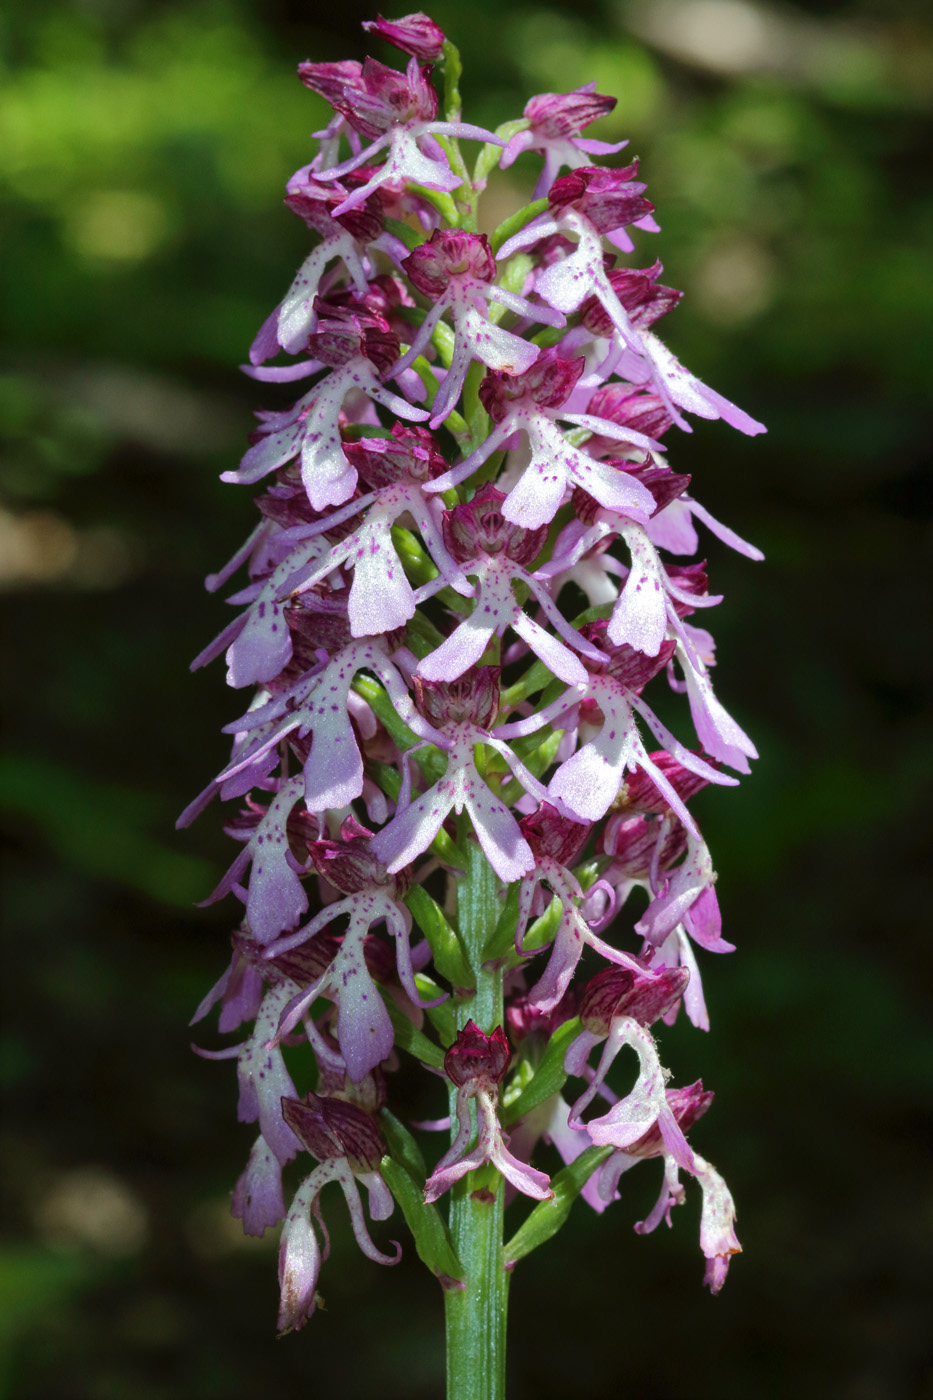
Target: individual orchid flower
[(381, 598), (476, 1063), (463, 711), (718, 1239), (356, 347), (345, 237), (258, 642), (688, 896), (589, 782), (398, 110), (262, 1075), (580, 550), (495, 551), (530, 403), (317, 704), (556, 843), (646, 607), (645, 841), (415, 34), (457, 271), (586, 204), (371, 897), (349, 1147), (530, 1029), (552, 124), (239, 990), (276, 898), (618, 1006)]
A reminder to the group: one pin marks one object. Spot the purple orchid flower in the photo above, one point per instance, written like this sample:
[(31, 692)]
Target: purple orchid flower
[(398, 110), (356, 346), (494, 551), (381, 598), (456, 271), (718, 1240), (415, 34), (476, 1064), (647, 604), (589, 782), (618, 1006), (555, 843), (349, 1147), (276, 898), (364, 1030), (587, 204), (464, 711), (317, 704), (552, 125), (521, 403), (345, 238)]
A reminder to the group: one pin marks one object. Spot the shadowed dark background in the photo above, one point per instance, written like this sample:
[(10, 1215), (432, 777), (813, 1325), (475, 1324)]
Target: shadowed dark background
[(143, 153)]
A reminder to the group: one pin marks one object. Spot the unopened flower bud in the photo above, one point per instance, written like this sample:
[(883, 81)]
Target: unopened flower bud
[(415, 34)]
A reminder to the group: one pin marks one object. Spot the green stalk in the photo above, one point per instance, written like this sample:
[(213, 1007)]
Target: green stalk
[(476, 1314)]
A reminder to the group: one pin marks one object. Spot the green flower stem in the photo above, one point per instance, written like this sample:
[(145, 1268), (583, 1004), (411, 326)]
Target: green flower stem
[(476, 1314)]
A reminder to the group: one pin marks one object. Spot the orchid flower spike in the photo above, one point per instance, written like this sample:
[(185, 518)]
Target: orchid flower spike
[(455, 804)]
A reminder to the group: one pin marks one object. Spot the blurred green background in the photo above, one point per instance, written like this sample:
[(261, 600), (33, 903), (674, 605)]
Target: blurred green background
[(143, 153)]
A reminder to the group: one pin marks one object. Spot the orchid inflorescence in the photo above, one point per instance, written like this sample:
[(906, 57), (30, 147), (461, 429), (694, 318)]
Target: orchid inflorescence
[(468, 568)]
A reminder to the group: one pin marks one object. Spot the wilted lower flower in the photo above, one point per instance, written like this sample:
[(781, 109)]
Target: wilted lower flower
[(445, 771)]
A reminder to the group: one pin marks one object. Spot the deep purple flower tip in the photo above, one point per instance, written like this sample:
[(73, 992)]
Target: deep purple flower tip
[(306, 963), (349, 864), (687, 1105), (639, 291), (411, 452), (329, 1128), (526, 1020), (689, 578), (608, 198), (386, 98), (549, 834), (476, 1058), (631, 408), (639, 794), (473, 699), (349, 332), (479, 527), (629, 667), (330, 80), (664, 485), (548, 383), (450, 255), (556, 114), (415, 34), (314, 202), (632, 841), (617, 991)]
